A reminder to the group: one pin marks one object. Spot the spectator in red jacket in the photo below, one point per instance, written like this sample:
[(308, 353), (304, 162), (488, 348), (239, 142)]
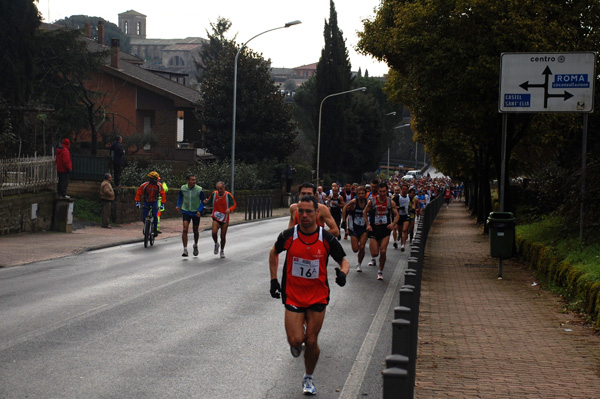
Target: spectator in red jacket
[(63, 167)]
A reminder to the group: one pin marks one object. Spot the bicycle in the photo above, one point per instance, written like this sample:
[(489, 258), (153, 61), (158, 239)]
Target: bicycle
[(149, 228)]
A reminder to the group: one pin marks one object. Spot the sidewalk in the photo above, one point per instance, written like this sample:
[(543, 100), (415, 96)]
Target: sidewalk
[(480, 337), (20, 249)]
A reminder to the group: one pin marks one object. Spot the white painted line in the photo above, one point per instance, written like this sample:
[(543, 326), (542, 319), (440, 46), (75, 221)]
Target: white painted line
[(357, 374)]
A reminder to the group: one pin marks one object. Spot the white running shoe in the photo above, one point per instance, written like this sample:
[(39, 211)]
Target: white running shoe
[(222, 254), (373, 262), (185, 252), (380, 275), (308, 386), (358, 268), (216, 247)]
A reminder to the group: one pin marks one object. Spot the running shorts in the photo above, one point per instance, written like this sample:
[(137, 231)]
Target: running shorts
[(380, 232)]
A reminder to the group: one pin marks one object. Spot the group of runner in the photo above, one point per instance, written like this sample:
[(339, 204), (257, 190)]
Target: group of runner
[(190, 202), (372, 211)]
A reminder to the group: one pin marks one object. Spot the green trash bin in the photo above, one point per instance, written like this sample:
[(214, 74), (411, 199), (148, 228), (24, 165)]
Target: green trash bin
[(502, 234)]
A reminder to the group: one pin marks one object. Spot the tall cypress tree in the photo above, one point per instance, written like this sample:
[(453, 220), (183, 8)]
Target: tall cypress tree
[(333, 76)]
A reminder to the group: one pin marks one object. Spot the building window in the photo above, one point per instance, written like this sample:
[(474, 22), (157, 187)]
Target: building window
[(126, 27), (139, 29), (176, 61)]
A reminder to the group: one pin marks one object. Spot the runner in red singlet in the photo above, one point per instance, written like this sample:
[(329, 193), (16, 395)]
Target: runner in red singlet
[(381, 216), (304, 286), (223, 204)]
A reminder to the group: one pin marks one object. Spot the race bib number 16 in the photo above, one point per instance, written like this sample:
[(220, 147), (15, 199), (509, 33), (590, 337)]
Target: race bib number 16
[(305, 268)]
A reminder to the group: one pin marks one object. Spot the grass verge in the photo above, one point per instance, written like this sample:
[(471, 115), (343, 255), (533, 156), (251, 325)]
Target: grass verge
[(563, 264)]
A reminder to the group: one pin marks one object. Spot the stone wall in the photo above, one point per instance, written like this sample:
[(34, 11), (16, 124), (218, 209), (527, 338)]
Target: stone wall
[(16, 212)]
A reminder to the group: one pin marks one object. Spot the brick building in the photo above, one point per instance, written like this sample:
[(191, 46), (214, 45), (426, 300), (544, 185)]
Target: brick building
[(140, 102)]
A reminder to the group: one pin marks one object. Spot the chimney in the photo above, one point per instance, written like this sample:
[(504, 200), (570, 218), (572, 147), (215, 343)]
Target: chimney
[(101, 32), (88, 30), (115, 46)]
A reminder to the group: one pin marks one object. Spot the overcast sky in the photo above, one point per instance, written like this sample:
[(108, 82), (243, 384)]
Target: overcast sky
[(287, 48)]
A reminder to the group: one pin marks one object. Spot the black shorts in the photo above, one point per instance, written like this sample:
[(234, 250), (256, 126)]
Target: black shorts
[(403, 218), (220, 223), (194, 219), (358, 231), (380, 232), (317, 307)]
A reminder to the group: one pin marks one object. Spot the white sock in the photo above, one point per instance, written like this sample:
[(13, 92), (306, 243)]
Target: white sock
[(308, 375)]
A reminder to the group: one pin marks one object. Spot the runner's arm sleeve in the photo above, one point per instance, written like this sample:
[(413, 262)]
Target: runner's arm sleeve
[(138, 193), (231, 202), (335, 248), (283, 240), (179, 199), (202, 198), (279, 244), (210, 199)]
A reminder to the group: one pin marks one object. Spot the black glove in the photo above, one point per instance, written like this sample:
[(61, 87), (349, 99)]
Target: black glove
[(343, 225), (340, 277), (276, 288)]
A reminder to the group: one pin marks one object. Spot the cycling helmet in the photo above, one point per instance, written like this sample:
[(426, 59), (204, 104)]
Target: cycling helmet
[(153, 175)]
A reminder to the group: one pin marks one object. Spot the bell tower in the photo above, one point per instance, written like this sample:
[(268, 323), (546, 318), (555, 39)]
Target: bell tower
[(133, 24)]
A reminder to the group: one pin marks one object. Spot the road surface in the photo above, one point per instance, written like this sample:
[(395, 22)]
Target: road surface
[(135, 322)]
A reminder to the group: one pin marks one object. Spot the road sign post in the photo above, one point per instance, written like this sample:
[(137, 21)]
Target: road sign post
[(547, 82)]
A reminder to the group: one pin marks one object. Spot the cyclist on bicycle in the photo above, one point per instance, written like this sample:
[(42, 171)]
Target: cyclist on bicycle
[(149, 192)]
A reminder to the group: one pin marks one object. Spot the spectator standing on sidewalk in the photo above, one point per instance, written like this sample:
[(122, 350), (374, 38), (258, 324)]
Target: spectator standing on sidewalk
[(107, 196), (116, 154), (63, 167)]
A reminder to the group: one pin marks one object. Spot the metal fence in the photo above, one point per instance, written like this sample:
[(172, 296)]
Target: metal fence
[(400, 373), (88, 167), (258, 207), (27, 175)]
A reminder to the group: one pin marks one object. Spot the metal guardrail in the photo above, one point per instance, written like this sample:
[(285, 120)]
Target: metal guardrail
[(88, 167), (258, 207), (400, 372), (27, 174)]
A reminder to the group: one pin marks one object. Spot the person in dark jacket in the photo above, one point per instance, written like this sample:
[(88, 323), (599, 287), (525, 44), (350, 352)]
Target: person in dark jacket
[(116, 154), (63, 168)]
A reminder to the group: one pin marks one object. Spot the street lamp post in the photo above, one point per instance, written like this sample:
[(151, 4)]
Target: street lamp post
[(397, 127), (388, 159), (235, 68), (416, 154), (319, 135)]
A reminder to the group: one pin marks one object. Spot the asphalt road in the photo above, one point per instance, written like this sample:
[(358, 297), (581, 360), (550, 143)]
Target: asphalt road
[(131, 322)]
